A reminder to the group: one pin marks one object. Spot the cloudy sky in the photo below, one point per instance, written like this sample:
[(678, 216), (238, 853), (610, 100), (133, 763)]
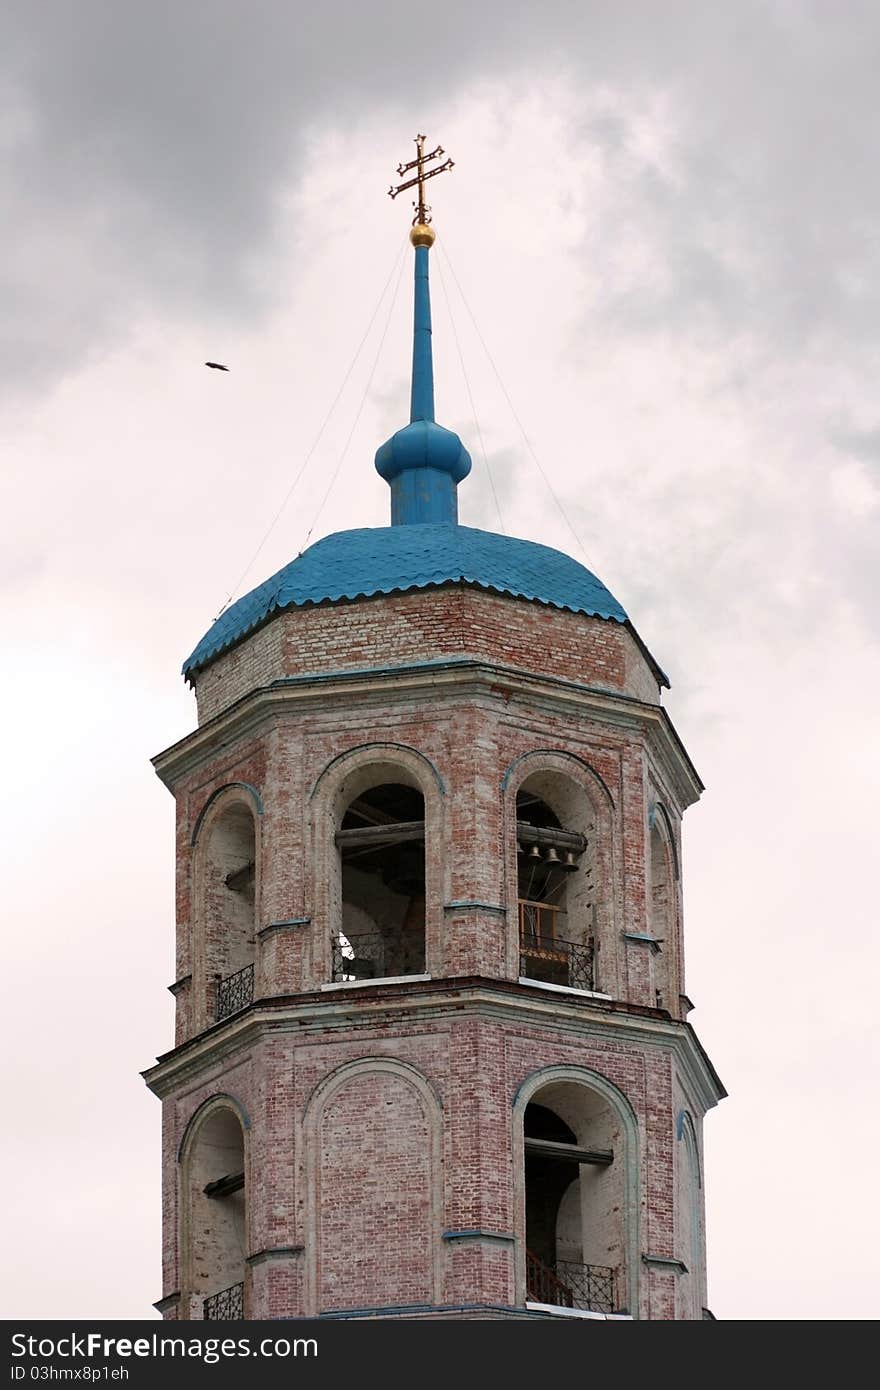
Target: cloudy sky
[(664, 225)]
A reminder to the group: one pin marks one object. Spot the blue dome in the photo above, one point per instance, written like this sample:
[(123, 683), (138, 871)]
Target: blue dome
[(394, 559), (423, 444)]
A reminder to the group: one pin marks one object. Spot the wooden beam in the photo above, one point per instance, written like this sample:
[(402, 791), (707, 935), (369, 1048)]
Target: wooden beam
[(376, 835), (548, 1148), (224, 1187), (547, 835), (371, 814), (240, 877)]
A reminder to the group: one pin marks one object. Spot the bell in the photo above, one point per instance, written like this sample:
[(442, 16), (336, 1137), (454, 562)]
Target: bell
[(519, 848), (569, 862), (535, 852), (552, 857)]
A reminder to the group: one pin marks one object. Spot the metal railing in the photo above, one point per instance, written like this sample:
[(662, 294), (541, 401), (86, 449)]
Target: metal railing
[(378, 955), (544, 1286), (592, 1286), (235, 992), (570, 1284), (225, 1306), (551, 959)]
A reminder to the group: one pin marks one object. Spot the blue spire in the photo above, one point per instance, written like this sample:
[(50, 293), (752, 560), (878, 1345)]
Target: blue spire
[(422, 396), (423, 462)]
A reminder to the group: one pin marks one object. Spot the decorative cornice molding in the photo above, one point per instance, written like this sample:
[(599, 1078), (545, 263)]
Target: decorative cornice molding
[(274, 1252), (178, 986), (285, 925), (475, 907), (665, 1261), (642, 938), (478, 1234), (438, 1000), (171, 1300), (430, 679)]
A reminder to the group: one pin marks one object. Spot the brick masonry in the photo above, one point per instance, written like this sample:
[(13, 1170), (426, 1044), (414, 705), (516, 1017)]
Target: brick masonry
[(382, 1123)]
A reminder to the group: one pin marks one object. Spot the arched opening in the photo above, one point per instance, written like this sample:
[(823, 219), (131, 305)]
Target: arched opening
[(381, 843), (230, 909), (575, 1237), (217, 1218), (555, 845), (661, 908), (687, 1221)]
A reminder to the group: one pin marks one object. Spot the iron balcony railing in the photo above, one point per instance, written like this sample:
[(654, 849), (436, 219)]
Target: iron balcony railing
[(550, 958), (592, 1286), (569, 1284), (544, 1286), (378, 956), (235, 992), (225, 1306)]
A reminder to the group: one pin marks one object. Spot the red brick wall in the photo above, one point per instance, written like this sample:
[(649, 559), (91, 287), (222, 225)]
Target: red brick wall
[(358, 1176), (398, 629), (375, 1242), (352, 1188)]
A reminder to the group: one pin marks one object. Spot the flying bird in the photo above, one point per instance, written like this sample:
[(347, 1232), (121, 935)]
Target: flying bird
[(218, 366)]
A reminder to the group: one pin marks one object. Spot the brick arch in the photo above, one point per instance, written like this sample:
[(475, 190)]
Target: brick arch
[(223, 800), (224, 793), (688, 1225), (190, 1186), (663, 912), (686, 1130), (620, 1104), (659, 813), (560, 757), (569, 766), (409, 1148), (340, 782), (418, 763), (221, 1101)]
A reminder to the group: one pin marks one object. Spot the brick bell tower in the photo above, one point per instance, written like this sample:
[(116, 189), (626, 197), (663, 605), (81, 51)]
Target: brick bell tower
[(432, 1055)]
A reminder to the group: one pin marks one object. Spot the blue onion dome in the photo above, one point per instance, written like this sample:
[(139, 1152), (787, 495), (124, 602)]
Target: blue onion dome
[(423, 444), (424, 547)]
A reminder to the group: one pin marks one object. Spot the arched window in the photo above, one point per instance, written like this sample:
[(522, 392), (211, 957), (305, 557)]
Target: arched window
[(661, 908), (216, 1224), (689, 1285), (229, 910), (575, 1238), (556, 888), (381, 844)]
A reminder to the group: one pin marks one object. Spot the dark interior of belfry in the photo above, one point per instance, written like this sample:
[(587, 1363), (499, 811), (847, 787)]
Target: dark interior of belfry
[(382, 851)]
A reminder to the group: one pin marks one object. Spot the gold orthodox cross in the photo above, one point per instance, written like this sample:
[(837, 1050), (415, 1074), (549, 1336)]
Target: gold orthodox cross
[(423, 212)]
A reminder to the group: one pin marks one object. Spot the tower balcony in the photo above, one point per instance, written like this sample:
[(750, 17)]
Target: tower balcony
[(570, 1284), (547, 956), (235, 992), (378, 956), (225, 1306)]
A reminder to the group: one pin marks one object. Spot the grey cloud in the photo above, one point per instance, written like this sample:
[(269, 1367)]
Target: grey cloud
[(860, 444), (146, 148)]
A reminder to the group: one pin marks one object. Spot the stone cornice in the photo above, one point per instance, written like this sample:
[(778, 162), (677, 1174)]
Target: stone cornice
[(435, 1002), (456, 676)]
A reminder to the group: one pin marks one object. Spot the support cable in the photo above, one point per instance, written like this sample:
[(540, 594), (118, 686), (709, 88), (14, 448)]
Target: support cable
[(397, 266), (467, 383), (528, 443), (357, 417)]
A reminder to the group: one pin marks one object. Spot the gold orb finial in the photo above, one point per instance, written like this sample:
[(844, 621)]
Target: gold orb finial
[(422, 235)]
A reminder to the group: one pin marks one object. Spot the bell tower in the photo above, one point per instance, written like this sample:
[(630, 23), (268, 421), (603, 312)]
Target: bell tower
[(432, 1055)]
